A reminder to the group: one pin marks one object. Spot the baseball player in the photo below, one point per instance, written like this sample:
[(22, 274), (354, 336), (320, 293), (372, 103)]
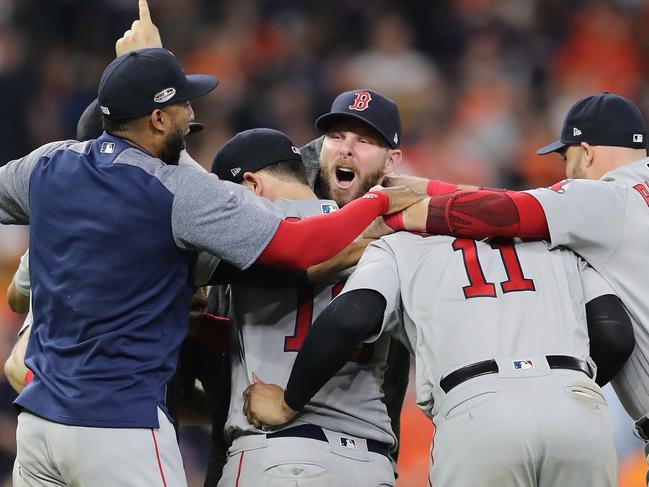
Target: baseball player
[(502, 358), (604, 217), (343, 436), (340, 164)]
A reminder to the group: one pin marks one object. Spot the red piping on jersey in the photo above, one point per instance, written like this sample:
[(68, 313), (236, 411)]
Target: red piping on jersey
[(157, 454), (301, 244), (239, 469), (432, 460), (487, 213)]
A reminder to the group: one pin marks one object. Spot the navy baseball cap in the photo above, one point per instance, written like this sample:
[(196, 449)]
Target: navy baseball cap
[(376, 110), (604, 119), (252, 150), (141, 81)]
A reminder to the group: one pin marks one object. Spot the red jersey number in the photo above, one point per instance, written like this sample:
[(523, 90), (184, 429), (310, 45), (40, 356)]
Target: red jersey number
[(478, 286)]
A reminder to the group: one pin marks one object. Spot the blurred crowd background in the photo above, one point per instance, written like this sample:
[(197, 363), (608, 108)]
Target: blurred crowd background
[(480, 83)]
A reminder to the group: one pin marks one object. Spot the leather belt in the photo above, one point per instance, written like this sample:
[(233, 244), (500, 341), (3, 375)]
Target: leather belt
[(485, 367), (315, 433)]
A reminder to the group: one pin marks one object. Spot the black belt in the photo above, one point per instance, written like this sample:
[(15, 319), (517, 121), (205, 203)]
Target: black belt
[(642, 428), (485, 367), (315, 433)]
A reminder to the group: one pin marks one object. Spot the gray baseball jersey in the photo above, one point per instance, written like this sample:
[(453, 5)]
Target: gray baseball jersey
[(464, 302), (607, 223), (271, 325)]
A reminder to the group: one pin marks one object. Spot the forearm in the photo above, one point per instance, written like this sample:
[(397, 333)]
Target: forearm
[(331, 341), (301, 244), (15, 368), (611, 336), (18, 302), (477, 214), (347, 258)]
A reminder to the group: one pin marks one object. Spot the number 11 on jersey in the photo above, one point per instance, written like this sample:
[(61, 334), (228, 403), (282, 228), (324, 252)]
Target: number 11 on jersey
[(479, 287)]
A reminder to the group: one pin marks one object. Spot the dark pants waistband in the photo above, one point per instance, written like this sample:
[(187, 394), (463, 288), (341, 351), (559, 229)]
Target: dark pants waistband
[(315, 433), (485, 367)]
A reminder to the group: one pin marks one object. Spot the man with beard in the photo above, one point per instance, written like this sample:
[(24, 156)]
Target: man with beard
[(360, 146), (115, 228)]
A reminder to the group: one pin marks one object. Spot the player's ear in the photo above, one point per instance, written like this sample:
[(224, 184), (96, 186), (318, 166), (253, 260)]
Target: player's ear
[(253, 181), (394, 158), (588, 154)]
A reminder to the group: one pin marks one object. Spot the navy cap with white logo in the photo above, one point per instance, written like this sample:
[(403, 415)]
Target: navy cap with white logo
[(141, 81), (252, 150), (371, 107), (604, 119)]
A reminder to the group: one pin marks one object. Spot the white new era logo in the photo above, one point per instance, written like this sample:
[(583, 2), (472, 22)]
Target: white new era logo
[(295, 149), (576, 131), (637, 137), (235, 170)]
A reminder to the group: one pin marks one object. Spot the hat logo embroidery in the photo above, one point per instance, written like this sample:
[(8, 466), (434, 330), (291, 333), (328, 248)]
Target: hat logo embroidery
[(104, 110), (576, 131), (295, 149), (396, 138), (164, 95), (361, 102), (638, 138), (235, 170)]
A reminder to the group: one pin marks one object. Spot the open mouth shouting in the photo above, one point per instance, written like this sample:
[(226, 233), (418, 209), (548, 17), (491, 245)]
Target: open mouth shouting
[(344, 177)]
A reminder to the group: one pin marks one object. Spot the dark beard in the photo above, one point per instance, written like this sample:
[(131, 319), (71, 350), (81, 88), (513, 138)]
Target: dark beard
[(175, 143), (324, 189)]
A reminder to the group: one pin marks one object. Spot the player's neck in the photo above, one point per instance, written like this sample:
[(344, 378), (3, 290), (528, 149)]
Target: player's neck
[(296, 191)]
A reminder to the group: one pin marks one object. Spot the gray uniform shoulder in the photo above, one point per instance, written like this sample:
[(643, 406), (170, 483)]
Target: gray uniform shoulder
[(14, 182)]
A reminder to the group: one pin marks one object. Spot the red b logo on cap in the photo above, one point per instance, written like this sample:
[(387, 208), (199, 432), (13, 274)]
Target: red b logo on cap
[(362, 101)]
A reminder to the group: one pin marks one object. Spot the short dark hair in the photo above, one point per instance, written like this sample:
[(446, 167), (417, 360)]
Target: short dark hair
[(287, 170), (114, 126)]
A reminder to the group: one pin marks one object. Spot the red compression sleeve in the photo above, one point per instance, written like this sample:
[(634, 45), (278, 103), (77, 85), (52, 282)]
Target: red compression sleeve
[(395, 221), (436, 187), (487, 213), (301, 244), (29, 376)]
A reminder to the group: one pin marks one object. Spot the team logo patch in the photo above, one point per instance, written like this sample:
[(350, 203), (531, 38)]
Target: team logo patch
[(346, 442), (235, 170), (361, 102), (523, 364), (107, 147), (164, 95), (328, 208)]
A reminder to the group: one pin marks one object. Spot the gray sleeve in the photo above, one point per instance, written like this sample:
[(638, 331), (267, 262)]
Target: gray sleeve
[(593, 284), (14, 183), (578, 210), (377, 270), (21, 276), (208, 216)]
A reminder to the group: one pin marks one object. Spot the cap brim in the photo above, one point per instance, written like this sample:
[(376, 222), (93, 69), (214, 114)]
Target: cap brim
[(199, 85), (195, 127), (555, 146), (325, 121)]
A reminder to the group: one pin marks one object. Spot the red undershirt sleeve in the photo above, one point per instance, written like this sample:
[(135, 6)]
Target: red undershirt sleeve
[(301, 244), (487, 213)]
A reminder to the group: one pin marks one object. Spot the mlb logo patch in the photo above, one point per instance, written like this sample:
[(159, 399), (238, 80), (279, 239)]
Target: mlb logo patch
[(347, 442), (523, 364), (328, 208), (107, 147)]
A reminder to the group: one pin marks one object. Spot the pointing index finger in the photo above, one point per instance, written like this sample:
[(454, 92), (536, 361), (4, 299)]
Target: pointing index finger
[(144, 10)]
